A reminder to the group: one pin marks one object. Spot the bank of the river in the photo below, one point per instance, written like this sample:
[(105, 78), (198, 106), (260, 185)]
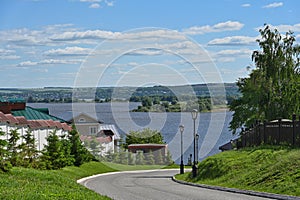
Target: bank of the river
[(176, 108), (264, 169)]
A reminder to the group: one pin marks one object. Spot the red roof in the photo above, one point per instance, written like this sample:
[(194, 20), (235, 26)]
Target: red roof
[(22, 120), (33, 124), (11, 119)]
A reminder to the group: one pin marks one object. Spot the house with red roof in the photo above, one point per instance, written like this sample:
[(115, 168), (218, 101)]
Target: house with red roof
[(15, 115), (92, 129)]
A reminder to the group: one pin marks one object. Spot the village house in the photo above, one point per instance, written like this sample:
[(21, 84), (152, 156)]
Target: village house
[(14, 115), (91, 129)]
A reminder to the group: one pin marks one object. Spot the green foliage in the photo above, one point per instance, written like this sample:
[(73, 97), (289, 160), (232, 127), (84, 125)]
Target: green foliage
[(55, 154), (140, 158), (149, 158), (29, 153), (266, 169), (272, 89), (80, 153), (22, 183), (159, 158), (168, 159), (13, 148), (5, 165), (146, 136)]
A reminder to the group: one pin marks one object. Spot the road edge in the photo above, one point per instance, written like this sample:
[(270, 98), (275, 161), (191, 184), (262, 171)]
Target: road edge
[(233, 190)]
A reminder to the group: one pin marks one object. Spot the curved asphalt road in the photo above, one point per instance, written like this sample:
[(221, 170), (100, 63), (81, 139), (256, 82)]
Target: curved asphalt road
[(156, 184)]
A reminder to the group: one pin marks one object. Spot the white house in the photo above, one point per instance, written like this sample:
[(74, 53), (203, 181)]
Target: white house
[(40, 129), (90, 128)]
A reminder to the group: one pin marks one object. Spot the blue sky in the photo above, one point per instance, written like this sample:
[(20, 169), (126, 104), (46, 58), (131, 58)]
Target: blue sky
[(133, 42)]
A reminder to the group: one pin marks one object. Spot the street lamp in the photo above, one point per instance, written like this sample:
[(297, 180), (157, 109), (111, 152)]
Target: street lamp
[(181, 128), (197, 145), (194, 117)]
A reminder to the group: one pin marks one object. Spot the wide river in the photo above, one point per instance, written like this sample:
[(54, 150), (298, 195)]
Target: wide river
[(212, 127)]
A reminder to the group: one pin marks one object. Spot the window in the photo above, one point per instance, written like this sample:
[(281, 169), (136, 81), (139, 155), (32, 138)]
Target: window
[(81, 120), (93, 130)]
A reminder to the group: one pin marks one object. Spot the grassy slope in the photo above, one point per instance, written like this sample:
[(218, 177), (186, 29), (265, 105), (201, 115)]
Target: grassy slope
[(267, 169), (33, 184)]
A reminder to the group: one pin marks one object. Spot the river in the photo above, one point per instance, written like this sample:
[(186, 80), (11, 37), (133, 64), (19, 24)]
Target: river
[(212, 127)]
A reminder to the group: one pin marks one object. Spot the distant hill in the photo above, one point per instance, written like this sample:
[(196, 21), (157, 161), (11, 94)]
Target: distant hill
[(100, 94)]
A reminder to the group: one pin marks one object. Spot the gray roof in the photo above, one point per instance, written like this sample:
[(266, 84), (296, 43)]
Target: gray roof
[(112, 128)]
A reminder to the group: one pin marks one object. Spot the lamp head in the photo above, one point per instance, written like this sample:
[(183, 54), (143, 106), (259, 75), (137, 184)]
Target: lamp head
[(194, 114), (181, 128)]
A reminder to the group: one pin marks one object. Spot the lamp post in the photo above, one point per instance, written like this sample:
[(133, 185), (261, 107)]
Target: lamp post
[(197, 145), (194, 117), (181, 128)]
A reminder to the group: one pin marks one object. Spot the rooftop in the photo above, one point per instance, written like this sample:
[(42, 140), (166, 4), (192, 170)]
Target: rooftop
[(35, 114)]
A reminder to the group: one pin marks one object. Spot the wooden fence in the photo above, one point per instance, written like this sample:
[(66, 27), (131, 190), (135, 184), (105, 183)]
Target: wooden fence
[(277, 132)]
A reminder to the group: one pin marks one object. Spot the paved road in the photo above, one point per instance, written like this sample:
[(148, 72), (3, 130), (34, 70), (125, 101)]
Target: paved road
[(154, 185)]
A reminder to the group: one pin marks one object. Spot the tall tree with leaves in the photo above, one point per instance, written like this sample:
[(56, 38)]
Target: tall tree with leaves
[(80, 153), (54, 153), (28, 153), (13, 147), (5, 165), (272, 89)]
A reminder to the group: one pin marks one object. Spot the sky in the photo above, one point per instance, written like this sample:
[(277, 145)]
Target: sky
[(74, 43)]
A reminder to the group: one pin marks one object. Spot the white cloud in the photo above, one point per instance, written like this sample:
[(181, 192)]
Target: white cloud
[(234, 52), (273, 5), (6, 54), (220, 27), (109, 3), (246, 5), (94, 5), (233, 40), (49, 62), (68, 51), (100, 35)]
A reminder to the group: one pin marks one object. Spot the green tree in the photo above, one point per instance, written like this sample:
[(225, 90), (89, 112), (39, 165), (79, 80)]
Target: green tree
[(159, 158), (95, 147), (146, 136), (13, 147), (131, 160), (54, 153), (140, 158), (146, 102), (272, 89), (29, 153), (5, 165), (168, 158), (80, 153), (149, 158)]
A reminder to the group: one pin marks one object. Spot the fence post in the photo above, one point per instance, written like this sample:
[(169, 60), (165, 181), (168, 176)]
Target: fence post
[(294, 129), (265, 138), (279, 130)]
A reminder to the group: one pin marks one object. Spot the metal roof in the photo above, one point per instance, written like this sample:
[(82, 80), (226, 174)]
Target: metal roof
[(112, 128), (34, 114)]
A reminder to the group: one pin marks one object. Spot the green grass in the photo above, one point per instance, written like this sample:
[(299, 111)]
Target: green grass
[(33, 184), (266, 169)]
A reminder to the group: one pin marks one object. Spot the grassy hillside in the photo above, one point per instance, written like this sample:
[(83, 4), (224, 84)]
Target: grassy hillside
[(266, 169), (32, 184)]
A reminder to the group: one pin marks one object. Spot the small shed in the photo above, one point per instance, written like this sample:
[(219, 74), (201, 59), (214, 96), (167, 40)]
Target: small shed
[(146, 148)]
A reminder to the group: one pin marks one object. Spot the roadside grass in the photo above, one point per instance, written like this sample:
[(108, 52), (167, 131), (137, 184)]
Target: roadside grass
[(32, 184), (266, 169), (22, 183)]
